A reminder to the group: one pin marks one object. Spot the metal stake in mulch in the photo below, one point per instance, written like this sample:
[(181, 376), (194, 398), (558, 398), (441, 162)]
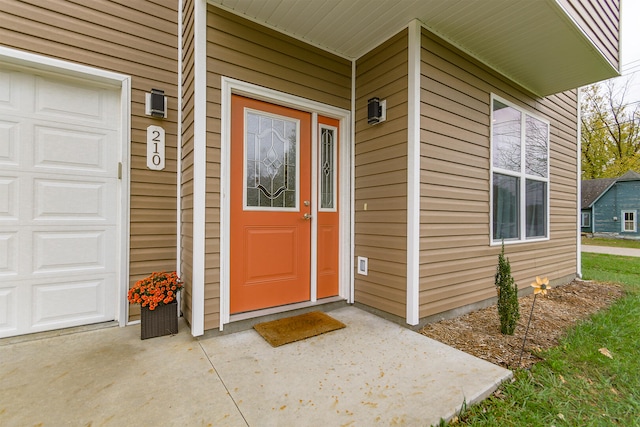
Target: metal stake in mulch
[(540, 286)]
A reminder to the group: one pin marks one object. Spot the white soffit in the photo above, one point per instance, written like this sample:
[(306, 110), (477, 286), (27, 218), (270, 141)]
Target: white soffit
[(532, 42)]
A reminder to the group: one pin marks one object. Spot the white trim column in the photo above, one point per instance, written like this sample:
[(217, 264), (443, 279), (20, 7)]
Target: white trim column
[(179, 150), (579, 186), (199, 165), (352, 187), (413, 176)]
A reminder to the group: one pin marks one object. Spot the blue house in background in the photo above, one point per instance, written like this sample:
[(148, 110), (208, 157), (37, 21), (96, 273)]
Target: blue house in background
[(610, 205)]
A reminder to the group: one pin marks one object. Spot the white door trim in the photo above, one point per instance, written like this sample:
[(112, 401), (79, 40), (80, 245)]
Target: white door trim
[(314, 207), (122, 81), (232, 86)]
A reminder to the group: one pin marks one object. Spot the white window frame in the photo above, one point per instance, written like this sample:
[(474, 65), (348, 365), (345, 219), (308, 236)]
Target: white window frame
[(522, 175), (624, 221), (586, 215)]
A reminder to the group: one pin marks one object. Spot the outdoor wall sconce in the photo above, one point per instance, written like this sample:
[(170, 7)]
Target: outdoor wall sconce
[(376, 111), (156, 104)]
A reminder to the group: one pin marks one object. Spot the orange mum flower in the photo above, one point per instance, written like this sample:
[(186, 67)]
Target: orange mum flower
[(159, 288)]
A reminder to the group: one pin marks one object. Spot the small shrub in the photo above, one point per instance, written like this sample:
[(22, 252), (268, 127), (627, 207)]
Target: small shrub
[(508, 307)]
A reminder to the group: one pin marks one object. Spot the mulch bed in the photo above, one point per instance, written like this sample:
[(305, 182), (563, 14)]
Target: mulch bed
[(478, 333)]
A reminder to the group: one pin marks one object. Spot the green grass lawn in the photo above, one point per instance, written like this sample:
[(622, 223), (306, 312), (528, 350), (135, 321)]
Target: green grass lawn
[(575, 384), (618, 243)]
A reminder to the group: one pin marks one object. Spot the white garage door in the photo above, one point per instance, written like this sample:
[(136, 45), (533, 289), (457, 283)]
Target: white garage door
[(59, 151)]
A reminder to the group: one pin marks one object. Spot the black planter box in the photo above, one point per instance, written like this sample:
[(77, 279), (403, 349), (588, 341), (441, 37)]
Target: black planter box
[(159, 322)]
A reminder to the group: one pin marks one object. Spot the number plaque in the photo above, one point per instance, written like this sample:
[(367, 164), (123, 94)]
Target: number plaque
[(155, 148)]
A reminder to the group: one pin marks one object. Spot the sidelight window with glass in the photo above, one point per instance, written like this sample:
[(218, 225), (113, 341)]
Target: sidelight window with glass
[(519, 174), (328, 171)]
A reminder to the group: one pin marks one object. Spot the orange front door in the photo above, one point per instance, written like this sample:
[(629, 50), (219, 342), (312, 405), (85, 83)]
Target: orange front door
[(270, 205)]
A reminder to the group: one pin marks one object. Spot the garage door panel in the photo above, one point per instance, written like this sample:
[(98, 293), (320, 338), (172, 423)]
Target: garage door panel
[(66, 252), (8, 309), (69, 303), (9, 140), (8, 95), (69, 200), (60, 99), (8, 254), (8, 198), (71, 149)]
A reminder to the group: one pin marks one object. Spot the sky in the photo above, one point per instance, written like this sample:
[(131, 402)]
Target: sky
[(630, 50)]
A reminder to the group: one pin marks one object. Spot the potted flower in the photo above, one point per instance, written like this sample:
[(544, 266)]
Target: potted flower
[(157, 295)]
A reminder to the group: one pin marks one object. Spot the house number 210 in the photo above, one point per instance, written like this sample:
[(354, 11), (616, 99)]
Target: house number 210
[(155, 148)]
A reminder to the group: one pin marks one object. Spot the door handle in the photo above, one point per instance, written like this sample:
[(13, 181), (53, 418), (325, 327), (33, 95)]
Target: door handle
[(306, 216)]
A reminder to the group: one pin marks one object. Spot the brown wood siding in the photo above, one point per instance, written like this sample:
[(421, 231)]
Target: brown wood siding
[(457, 263), (244, 50), (138, 39), (600, 21), (381, 177), (186, 184)]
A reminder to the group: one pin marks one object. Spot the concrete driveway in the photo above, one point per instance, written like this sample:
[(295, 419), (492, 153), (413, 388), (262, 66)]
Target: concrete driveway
[(373, 372)]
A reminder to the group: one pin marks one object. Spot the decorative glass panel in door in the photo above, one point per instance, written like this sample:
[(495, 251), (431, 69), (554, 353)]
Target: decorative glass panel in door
[(271, 168), (328, 171)]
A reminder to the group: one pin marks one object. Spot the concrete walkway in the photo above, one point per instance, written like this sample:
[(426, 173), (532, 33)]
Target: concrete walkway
[(610, 250), (373, 372)]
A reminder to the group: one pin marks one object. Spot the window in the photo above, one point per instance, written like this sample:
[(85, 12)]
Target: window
[(586, 219), (519, 174), (629, 221), (271, 161), (328, 178)]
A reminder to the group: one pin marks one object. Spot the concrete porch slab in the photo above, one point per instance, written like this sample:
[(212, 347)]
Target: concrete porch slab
[(372, 372), (109, 377)]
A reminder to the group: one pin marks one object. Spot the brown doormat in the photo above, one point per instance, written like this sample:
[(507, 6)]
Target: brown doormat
[(284, 331)]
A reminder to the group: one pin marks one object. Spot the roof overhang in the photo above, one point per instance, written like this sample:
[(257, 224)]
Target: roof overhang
[(534, 43)]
